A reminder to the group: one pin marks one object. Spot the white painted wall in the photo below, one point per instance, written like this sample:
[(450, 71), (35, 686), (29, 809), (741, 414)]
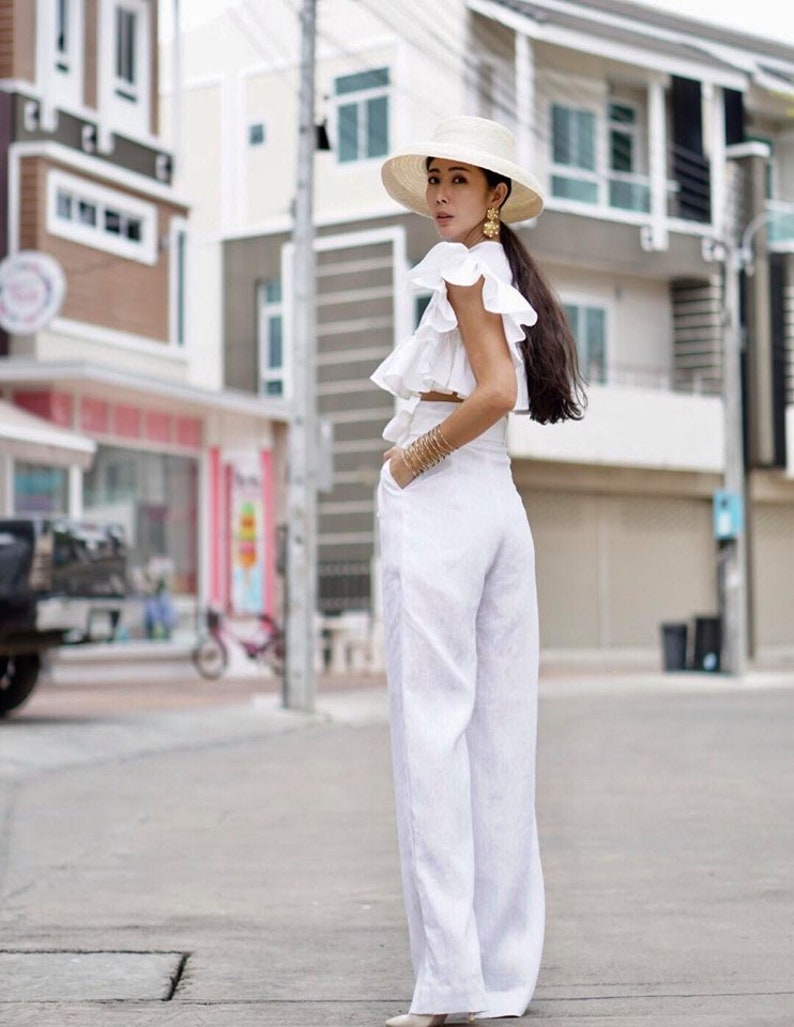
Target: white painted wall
[(269, 171), (200, 177), (630, 427), (639, 320), (79, 340)]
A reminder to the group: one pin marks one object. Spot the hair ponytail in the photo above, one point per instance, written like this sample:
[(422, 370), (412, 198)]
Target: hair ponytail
[(556, 388)]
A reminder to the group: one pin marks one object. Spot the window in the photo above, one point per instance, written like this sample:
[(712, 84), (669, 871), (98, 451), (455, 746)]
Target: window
[(125, 63), (588, 324), (86, 212), (63, 35), (95, 216), (256, 134), (362, 115), (126, 70), (573, 145), (136, 489), (39, 489), (577, 171), (66, 41), (627, 189), (271, 339)]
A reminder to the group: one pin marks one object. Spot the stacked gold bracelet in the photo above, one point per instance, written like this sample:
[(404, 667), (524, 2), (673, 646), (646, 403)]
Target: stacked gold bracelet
[(426, 451)]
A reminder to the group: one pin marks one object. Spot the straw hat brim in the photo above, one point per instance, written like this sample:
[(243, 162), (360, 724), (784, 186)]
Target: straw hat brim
[(405, 178)]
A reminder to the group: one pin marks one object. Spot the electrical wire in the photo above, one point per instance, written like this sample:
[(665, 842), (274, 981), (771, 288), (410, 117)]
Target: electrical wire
[(490, 39)]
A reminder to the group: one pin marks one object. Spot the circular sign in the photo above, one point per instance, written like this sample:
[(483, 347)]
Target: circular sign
[(32, 287)]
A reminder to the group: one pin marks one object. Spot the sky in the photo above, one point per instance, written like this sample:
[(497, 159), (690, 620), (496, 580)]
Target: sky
[(760, 17)]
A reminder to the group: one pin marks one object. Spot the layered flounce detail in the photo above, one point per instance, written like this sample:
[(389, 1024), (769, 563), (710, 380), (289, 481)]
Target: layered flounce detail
[(434, 358)]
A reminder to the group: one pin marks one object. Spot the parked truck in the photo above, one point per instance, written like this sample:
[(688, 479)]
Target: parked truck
[(62, 582)]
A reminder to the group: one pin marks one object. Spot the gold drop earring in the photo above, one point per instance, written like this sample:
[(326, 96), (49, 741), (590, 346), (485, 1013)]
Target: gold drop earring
[(491, 226)]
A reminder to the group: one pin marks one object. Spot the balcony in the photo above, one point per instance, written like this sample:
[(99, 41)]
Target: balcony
[(630, 426)]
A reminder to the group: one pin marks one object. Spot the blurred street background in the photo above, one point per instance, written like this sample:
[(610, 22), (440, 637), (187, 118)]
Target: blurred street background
[(199, 269), (220, 861)]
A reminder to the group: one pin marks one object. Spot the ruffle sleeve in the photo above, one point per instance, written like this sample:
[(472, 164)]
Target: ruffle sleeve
[(434, 358)]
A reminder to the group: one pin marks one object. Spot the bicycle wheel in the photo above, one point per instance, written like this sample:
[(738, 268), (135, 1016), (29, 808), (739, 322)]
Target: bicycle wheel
[(210, 657)]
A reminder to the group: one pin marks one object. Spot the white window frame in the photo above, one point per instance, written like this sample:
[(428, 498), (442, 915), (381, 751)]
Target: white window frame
[(572, 171), (96, 236), (178, 283), (68, 65), (583, 302), (59, 77), (360, 98), (268, 311), (126, 106), (633, 129), (603, 174)]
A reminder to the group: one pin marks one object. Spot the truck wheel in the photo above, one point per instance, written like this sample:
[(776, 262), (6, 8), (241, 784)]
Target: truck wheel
[(18, 677)]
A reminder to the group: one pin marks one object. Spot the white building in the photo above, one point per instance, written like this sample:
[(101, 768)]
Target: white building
[(114, 408), (633, 120)]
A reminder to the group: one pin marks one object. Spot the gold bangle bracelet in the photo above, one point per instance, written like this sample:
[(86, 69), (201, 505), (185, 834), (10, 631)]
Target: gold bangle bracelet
[(427, 451)]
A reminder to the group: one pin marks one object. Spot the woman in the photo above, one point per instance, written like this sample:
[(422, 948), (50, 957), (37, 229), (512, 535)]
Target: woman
[(458, 576)]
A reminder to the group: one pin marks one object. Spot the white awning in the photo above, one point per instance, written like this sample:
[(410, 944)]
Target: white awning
[(26, 437)]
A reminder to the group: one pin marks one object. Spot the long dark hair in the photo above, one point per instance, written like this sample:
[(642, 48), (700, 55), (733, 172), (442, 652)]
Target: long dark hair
[(556, 387)]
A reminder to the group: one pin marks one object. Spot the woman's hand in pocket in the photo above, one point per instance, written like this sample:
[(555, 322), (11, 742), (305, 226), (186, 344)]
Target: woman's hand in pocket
[(398, 468)]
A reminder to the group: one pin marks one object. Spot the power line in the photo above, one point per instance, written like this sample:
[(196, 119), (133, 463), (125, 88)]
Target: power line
[(458, 60)]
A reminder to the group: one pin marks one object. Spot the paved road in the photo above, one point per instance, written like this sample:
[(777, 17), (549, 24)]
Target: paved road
[(235, 864)]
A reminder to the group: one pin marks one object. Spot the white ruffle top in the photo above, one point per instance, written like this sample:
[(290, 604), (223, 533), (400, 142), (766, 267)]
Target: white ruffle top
[(434, 358)]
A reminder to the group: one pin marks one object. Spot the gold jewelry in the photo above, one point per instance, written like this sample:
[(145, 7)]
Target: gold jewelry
[(426, 451), (491, 226)]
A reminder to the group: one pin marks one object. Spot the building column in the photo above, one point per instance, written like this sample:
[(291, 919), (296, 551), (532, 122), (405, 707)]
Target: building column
[(75, 492), (526, 133), (655, 235), (714, 117)]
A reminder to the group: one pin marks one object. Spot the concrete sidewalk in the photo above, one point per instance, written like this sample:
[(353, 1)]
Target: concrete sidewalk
[(237, 866)]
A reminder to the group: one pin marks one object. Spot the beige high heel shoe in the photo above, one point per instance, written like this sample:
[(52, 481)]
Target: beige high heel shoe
[(417, 1020), (422, 1020)]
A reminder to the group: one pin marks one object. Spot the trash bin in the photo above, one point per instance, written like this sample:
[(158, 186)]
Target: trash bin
[(707, 644), (674, 645)]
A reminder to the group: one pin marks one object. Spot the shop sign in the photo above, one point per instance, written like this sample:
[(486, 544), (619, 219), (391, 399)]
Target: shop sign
[(728, 515), (247, 538), (32, 288)]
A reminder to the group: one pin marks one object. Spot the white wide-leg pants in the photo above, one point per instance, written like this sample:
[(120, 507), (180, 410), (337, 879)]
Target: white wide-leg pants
[(461, 640)]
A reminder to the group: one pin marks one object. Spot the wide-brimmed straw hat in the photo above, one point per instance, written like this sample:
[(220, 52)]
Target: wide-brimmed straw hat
[(470, 140)]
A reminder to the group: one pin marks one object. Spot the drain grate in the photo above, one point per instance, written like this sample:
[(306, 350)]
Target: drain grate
[(58, 975)]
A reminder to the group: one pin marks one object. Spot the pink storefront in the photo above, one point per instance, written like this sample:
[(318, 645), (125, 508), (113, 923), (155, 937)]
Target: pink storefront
[(190, 474)]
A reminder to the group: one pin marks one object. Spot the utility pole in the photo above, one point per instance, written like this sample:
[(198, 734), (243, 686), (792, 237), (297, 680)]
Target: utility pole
[(733, 552), (177, 96), (301, 562)]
